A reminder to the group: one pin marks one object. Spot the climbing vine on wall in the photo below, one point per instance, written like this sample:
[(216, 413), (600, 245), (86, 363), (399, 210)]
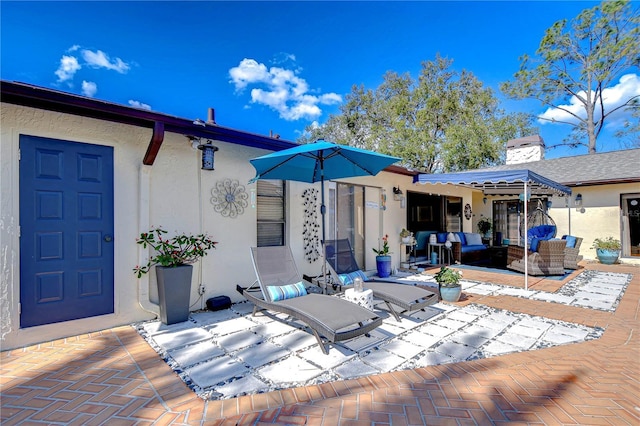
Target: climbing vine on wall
[(311, 239)]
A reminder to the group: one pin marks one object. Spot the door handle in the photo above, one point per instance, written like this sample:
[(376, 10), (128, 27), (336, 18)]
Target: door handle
[(108, 238)]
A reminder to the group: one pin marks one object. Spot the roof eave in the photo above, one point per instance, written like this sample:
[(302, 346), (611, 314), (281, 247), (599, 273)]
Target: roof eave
[(53, 100)]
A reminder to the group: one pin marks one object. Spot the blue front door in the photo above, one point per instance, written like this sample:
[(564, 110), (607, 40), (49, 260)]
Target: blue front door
[(66, 230)]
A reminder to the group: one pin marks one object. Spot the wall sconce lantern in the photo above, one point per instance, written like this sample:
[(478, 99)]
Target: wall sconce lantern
[(208, 152), (397, 194), (578, 200), (484, 200)]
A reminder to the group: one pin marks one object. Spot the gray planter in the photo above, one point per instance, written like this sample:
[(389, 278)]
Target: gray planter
[(174, 292)]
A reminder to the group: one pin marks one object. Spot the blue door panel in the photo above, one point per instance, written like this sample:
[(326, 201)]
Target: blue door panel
[(66, 229)]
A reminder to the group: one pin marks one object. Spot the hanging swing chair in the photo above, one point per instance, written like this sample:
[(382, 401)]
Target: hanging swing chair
[(537, 217)]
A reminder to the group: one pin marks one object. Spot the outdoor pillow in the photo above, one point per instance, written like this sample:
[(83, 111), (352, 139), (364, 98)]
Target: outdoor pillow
[(454, 238), (571, 241), (533, 245), (544, 232), (347, 279), (289, 291), (462, 238), (473, 239), (442, 237)]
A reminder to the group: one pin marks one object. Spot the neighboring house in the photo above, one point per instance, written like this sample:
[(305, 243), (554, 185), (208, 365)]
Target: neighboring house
[(81, 178), (605, 199)]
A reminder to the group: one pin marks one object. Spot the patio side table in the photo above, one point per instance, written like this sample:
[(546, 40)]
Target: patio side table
[(363, 298)]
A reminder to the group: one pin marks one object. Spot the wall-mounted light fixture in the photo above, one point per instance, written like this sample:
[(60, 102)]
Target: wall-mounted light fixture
[(578, 200), (484, 200), (208, 152), (397, 194)]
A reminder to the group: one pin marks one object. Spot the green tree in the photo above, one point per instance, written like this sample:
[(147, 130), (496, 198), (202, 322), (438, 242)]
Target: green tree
[(443, 121), (575, 62)]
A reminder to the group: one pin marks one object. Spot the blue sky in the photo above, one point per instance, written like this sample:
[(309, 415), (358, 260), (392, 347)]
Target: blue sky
[(269, 66)]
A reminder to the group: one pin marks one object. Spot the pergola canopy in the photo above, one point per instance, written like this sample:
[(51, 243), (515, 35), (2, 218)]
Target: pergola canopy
[(501, 182)]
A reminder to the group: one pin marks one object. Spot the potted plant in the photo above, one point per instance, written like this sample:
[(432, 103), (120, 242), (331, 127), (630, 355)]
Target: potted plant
[(172, 260), (484, 226), (607, 250), (406, 236), (449, 284), (383, 259)]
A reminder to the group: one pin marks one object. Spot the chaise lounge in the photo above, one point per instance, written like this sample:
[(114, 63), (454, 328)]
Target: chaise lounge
[(344, 269), (281, 289)]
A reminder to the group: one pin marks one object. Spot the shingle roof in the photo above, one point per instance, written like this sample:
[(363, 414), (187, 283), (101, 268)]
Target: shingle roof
[(600, 168)]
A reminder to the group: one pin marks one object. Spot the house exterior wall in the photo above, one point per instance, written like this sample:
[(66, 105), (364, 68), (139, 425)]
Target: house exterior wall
[(175, 194)]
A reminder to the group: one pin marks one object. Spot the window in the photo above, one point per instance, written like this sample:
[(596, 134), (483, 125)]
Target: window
[(270, 210)]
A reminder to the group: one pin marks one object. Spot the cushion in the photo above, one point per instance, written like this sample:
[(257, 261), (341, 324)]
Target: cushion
[(460, 235), (473, 239), (281, 292), (347, 279), (533, 244), (544, 232), (571, 241), (453, 237), (442, 237), (470, 248)]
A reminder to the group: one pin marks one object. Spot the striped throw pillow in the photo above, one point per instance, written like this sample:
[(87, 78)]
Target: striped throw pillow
[(347, 279), (281, 292)]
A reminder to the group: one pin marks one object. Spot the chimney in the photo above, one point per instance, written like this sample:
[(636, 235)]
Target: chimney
[(525, 150), (211, 117)]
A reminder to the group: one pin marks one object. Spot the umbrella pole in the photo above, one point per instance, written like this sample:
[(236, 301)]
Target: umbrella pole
[(323, 210), (526, 238)]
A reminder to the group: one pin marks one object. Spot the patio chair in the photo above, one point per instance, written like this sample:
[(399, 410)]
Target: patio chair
[(282, 290), (572, 252), (547, 260), (344, 268)]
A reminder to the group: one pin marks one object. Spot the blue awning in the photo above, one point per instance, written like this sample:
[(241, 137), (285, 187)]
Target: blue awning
[(499, 182)]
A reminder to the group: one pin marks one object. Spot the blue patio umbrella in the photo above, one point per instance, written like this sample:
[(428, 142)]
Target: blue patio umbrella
[(318, 161)]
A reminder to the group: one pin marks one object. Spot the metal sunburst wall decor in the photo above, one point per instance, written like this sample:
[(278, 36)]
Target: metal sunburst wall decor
[(311, 227), (229, 198)]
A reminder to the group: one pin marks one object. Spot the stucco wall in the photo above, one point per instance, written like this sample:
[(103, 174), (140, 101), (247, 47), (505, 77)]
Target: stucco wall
[(175, 194)]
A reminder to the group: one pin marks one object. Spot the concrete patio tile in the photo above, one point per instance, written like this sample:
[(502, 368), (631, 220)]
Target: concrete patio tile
[(383, 360), (181, 337), (234, 341), (337, 355), (363, 342), (229, 326), (354, 369), (435, 330), (296, 340), (156, 327), (533, 331), (558, 332), (242, 308), (553, 297), (457, 351), (427, 314), (403, 348), (517, 340), (216, 371), (471, 339), (432, 357), (421, 339), (281, 372), (275, 328), (247, 385), (461, 315), (482, 289), (208, 317), (261, 354), (484, 332), (496, 347), (517, 292), (196, 353), (448, 322)]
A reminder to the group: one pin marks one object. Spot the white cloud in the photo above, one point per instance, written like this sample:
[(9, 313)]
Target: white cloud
[(138, 104), (67, 69), (280, 89), (628, 86), (99, 59), (89, 88)]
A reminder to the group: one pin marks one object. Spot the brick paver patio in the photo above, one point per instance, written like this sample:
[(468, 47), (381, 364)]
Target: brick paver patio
[(114, 377)]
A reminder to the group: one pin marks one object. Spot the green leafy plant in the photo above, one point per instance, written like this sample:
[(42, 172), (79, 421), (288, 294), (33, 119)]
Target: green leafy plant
[(181, 249), (384, 251), (448, 277), (484, 225), (608, 243), (404, 233)]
